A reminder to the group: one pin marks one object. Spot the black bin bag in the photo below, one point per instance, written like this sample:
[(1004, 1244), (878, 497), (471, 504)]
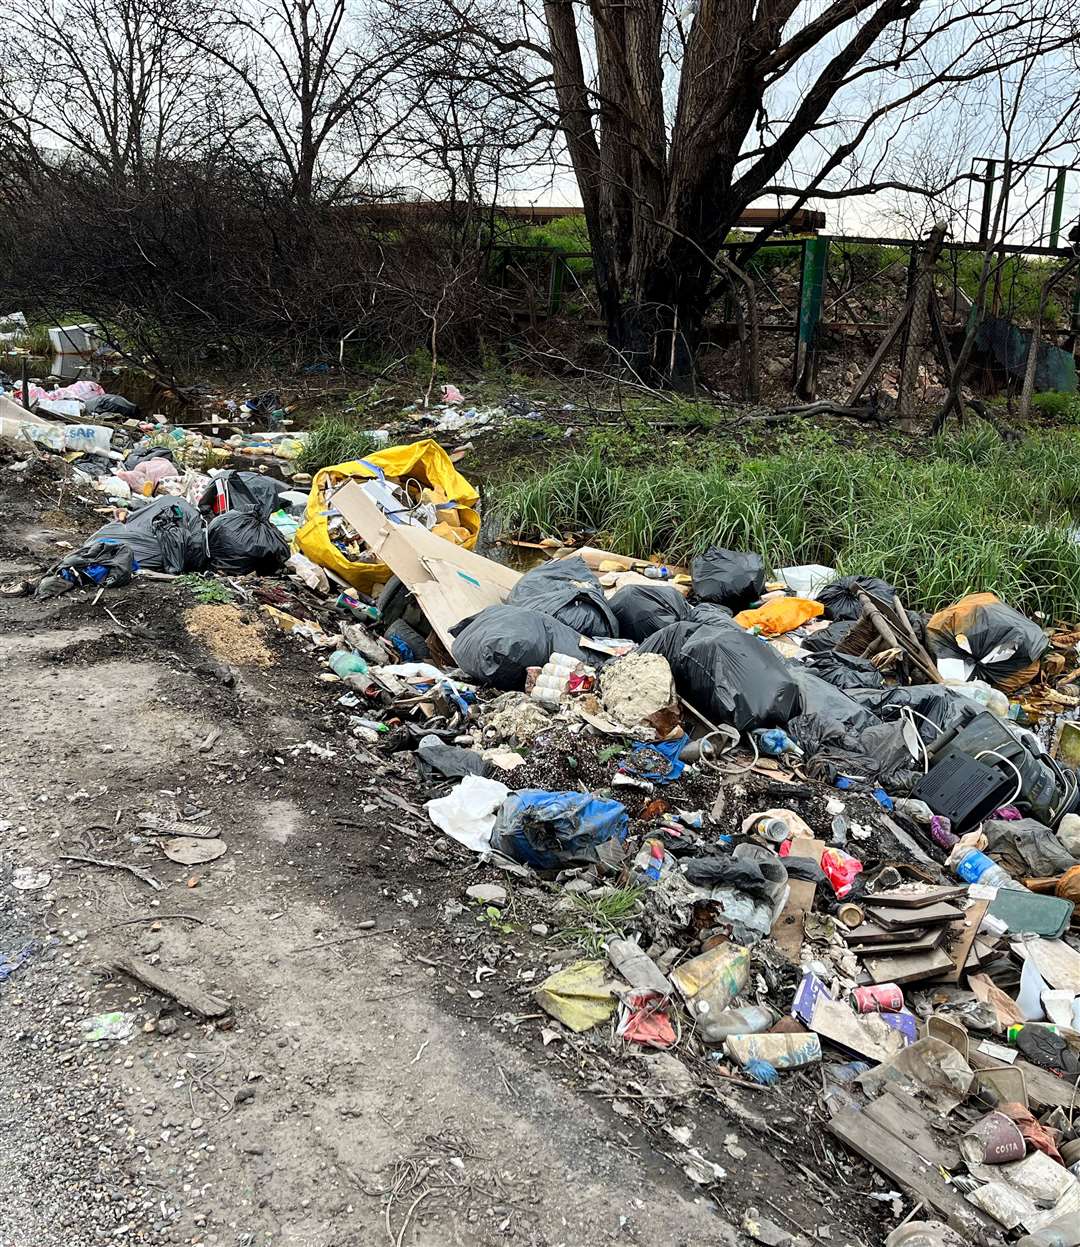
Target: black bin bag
[(734, 677), (840, 597), (734, 579), (567, 590), (497, 646), (167, 535), (641, 610), (245, 541)]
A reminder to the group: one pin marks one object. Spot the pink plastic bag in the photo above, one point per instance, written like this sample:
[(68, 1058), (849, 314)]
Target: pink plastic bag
[(149, 470), (840, 870)]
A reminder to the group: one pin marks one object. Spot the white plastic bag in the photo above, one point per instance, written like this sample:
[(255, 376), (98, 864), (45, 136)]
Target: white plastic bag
[(468, 813)]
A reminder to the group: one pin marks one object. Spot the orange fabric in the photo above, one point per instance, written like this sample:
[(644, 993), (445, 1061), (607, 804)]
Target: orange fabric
[(780, 615)]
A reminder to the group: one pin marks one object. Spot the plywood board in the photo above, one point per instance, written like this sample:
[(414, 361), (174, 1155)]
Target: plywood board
[(916, 900), (907, 967), (917, 942), (894, 1157), (1056, 961), (963, 934), (787, 930)]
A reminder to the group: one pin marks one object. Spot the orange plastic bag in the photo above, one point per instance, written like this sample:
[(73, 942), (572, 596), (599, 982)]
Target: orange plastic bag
[(780, 615)]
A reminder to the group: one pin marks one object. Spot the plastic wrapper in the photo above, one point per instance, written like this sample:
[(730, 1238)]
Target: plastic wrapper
[(641, 610), (840, 598), (730, 577), (567, 590), (841, 870), (554, 830), (989, 641), (499, 645)]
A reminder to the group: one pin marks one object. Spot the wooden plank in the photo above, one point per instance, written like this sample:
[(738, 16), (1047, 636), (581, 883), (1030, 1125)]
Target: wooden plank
[(916, 900), (929, 915), (908, 967), (905, 1167), (924, 942), (904, 1118), (787, 930), (812, 849), (871, 933), (963, 934), (188, 995)]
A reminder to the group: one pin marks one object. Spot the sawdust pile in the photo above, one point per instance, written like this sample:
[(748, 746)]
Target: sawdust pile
[(230, 634)]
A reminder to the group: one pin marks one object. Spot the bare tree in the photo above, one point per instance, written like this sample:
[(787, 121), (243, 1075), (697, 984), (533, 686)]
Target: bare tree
[(111, 84), (318, 87), (676, 115)]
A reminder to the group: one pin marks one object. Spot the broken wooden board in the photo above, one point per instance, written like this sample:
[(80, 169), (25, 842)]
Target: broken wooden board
[(895, 1158), (871, 933), (963, 935), (916, 900), (923, 942), (787, 930), (1005, 1008), (186, 994), (901, 919), (907, 967), (862, 1033), (908, 1121), (449, 582), (812, 849)]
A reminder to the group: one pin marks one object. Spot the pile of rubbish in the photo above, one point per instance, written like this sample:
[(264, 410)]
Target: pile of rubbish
[(845, 836)]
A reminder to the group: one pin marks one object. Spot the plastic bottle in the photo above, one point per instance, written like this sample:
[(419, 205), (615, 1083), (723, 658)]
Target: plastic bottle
[(654, 572), (554, 678), (774, 742), (344, 662), (649, 862), (978, 690), (976, 867), (749, 1020)]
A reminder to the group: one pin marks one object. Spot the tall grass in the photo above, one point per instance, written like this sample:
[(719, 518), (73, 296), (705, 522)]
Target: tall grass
[(334, 439), (975, 515)]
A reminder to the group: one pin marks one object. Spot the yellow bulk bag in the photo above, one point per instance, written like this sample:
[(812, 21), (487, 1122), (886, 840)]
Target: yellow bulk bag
[(424, 462)]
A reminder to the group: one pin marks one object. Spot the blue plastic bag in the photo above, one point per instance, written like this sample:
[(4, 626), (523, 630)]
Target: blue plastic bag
[(553, 830), (669, 749)]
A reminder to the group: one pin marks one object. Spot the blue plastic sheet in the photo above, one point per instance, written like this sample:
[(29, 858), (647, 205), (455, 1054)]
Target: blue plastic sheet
[(553, 830), (10, 962), (668, 749)]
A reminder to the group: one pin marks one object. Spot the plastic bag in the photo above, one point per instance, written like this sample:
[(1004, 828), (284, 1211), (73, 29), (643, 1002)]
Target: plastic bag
[(579, 996), (553, 830), (641, 610), (840, 598), (727, 576), (734, 677), (992, 641), (780, 615), (845, 671), (467, 814), (841, 870), (829, 638), (497, 646), (166, 535), (111, 405), (567, 590), (245, 541), (105, 563), (242, 491)]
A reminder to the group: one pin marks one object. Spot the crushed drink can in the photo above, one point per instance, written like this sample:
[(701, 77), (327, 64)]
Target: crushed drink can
[(883, 998)]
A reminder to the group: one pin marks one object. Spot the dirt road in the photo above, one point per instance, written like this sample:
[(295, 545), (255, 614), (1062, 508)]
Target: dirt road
[(359, 1093)]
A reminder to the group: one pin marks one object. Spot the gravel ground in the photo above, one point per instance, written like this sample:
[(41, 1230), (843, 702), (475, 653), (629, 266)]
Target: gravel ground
[(70, 1157)]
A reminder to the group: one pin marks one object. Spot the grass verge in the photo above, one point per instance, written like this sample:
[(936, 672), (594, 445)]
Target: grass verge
[(975, 514)]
